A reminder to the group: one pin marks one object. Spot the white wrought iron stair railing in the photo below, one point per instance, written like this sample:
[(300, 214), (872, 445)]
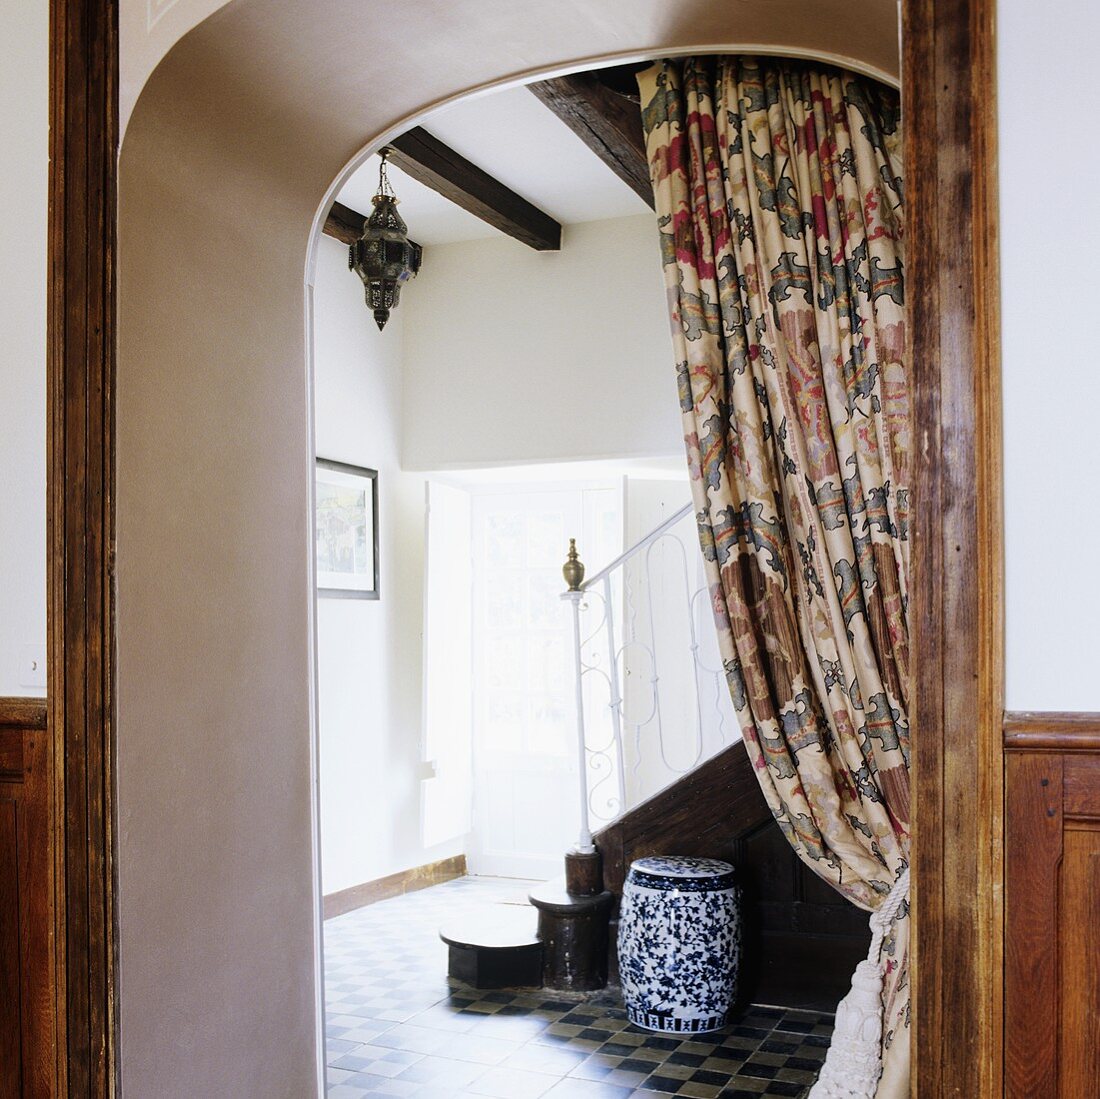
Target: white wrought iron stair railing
[(651, 697)]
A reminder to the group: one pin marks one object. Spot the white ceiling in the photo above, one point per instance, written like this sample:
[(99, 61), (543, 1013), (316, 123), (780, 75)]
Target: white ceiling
[(515, 138)]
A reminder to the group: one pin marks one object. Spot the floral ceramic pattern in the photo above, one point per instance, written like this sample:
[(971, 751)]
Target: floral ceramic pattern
[(682, 866), (679, 943), (778, 188), (681, 872)]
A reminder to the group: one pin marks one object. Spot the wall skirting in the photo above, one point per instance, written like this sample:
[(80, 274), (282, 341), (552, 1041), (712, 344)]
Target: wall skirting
[(393, 885)]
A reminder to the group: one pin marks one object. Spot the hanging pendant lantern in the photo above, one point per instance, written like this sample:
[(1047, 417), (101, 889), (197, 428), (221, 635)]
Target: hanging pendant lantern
[(384, 257)]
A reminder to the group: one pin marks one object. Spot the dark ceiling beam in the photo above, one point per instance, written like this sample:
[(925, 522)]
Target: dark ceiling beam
[(427, 160), (608, 122), (345, 224)]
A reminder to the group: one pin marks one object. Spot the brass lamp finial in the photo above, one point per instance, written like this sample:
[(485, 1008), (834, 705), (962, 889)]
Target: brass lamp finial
[(573, 569)]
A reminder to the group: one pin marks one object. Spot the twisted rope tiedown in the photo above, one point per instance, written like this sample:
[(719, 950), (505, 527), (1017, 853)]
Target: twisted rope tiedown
[(853, 1064)]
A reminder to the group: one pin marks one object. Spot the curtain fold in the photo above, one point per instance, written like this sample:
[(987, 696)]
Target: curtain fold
[(778, 192)]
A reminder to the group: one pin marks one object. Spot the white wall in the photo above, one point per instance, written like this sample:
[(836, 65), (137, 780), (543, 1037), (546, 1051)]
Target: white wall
[(515, 356), (24, 102), (1050, 283), (369, 652)]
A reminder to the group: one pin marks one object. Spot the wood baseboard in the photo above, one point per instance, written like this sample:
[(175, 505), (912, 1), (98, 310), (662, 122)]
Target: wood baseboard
[(393, 885)]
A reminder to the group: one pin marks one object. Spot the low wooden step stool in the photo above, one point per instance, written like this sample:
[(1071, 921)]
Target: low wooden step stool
[(573, 928), (497, 947), (574, 913)]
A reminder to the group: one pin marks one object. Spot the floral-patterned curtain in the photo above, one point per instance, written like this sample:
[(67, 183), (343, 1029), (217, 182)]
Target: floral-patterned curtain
[(779, 199)]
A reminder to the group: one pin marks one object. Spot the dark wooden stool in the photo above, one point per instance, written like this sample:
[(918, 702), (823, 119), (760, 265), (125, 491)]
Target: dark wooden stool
[(573, 929), (497, 948)]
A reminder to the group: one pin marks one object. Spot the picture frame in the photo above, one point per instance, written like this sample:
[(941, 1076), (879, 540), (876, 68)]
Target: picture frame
[(346, 530)]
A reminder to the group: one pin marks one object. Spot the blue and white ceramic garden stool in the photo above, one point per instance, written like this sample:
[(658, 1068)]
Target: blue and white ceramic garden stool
[(680, 943)]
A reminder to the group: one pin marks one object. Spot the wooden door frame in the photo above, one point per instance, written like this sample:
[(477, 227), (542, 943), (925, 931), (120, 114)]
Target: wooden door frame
[(80, 359), (950, 121), (957, 594)]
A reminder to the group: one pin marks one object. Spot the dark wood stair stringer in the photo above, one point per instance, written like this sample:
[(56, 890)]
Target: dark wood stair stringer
[(802, 938)]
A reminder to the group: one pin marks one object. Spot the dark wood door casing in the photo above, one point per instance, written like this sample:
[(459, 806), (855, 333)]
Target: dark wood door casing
[(956, 596), (949, 81), (80, 534)]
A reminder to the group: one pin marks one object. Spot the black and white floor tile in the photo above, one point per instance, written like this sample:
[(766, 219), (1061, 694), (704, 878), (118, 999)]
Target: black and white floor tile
[(397, 1027)]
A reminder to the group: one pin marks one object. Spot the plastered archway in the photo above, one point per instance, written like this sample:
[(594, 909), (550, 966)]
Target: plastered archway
[(227, 167)]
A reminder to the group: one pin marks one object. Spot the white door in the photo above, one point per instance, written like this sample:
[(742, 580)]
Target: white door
[(447, 792), (525, 792)]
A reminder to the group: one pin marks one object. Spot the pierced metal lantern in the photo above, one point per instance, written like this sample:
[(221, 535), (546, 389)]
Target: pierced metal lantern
[(384, 257)]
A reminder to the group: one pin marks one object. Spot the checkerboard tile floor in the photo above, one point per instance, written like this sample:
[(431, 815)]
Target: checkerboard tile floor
[(397, 1026)]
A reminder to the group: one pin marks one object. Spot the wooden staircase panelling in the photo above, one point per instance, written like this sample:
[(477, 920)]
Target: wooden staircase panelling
[(803, 939)]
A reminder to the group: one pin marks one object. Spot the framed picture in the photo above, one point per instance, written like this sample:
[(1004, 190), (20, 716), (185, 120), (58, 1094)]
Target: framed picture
[(347, 531)]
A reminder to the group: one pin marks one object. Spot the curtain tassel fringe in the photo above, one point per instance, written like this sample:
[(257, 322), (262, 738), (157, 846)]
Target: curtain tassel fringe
[(853, 1064)]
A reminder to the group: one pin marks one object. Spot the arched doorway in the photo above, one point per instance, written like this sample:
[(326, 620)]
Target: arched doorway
[(212, 720)]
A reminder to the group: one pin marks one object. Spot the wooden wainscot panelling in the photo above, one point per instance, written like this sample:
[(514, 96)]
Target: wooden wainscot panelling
[(1033, 842), (27, 1051), (1079, 971), (1081, 787), (1052, 906)]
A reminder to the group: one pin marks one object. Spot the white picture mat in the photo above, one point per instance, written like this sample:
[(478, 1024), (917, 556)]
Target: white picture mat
[(346, 509)]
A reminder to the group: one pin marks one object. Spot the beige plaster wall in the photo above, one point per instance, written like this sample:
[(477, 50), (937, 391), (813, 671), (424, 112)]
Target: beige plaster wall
[(147, 30), (230, 150)]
